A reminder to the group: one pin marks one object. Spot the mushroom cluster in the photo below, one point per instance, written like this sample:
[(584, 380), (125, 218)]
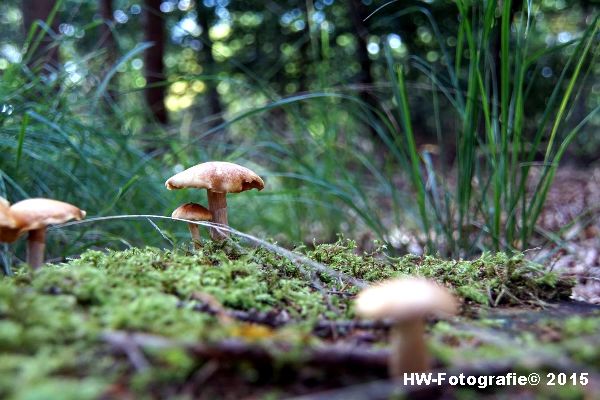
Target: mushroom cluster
[(218, 178), (33, 216), (406, 302)]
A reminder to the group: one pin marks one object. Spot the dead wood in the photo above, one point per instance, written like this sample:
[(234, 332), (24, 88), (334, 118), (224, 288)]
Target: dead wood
[(235, 349), (276, 319)]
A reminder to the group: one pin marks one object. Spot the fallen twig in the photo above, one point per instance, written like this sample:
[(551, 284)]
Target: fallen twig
[(130, 348), (297, 259), (234, 349), (200, 377), (276, 319)]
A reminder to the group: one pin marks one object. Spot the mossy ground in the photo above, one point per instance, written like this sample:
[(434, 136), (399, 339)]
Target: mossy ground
[(51, 320)]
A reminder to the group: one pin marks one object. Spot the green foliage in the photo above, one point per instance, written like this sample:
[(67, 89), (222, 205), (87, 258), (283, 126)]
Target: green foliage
[(54, 145), (64, 135)]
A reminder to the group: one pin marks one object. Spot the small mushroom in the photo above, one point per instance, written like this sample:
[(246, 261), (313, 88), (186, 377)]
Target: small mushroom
[(406, 302), (193, 212), (5, 217), (33, 216), (8, 226), (218, 178)]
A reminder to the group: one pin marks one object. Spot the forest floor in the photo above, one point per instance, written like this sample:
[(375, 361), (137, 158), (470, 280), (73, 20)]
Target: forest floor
[(574, 201), (234, 322)]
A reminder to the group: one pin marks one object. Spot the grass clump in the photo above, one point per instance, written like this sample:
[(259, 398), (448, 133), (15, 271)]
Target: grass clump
[(498, 138)]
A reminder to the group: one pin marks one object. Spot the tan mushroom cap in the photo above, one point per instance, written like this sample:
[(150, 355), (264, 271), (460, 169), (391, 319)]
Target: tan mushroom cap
[(9, 232), (405, 298), (217, 176), (5, 218), (33, 214), (192, 212)]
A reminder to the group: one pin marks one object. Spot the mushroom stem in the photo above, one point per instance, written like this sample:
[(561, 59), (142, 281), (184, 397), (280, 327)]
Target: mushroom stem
[(217, 204), (409, 351), (36, 246), (195, 232)]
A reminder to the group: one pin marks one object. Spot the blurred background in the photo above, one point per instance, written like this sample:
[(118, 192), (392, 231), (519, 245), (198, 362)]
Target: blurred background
[(428, 125)]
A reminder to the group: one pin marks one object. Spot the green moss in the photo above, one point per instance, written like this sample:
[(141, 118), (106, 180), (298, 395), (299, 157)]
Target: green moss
[(577, 326), (548, 345), (41, 373), (65, 389), (492, 279), (51, 319), (578, 337)]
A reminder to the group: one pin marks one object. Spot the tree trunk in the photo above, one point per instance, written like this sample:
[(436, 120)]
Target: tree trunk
[(207, 61), (358, 12), (107, 39), (154, 30), (46, 55)]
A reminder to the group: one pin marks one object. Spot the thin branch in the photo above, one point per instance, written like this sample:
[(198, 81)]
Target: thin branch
[(130, 348), (295, 258), (235, 349), (276, 318)]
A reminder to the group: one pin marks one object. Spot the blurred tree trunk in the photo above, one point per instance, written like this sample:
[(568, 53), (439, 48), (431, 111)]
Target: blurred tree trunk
[(305, 60), (46, 55), (358, 12), (107, 39), (209, 66), (154, 31)]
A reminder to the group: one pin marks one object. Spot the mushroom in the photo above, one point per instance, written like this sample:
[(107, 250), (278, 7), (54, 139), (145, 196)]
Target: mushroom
[(193, 212), (406, 302), (5, 218), (8, 226), (218, 178), (33, 216)]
